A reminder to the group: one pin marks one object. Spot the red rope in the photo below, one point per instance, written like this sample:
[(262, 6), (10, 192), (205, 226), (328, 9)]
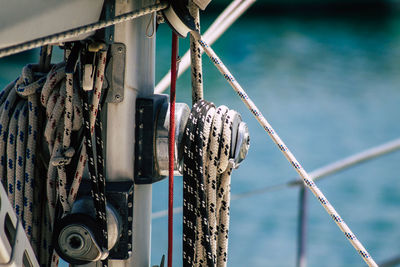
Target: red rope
[(171, 146)]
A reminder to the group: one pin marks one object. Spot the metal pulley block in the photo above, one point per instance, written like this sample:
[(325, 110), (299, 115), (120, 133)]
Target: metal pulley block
[(182, 113), (77, 236), (152, 127), (240, 140), (177, 15), (152, 137)]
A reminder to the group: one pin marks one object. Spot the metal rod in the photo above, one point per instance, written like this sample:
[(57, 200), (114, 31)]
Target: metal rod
[(302, 229), (324, 171), (331, 168)]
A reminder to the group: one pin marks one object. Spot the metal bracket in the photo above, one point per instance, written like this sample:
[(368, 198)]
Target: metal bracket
[(120, 196), (147, 111), (109, 6), (115, 74)]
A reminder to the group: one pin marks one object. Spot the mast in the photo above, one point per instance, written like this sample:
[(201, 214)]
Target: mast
[(139, 81)]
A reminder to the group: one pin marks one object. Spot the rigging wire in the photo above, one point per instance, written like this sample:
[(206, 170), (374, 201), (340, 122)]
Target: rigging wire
[(331, 168), (286, 152), (322, 172), (73, 33)]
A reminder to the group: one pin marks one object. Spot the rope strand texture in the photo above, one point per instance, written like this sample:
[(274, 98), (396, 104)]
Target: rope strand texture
[(207, 170), (289, 156)]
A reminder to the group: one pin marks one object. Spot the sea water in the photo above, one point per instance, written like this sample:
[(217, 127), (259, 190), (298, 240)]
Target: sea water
[(330, 88)]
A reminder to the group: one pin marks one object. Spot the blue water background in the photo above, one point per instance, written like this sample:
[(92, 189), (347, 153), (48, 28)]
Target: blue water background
[(330, 88)]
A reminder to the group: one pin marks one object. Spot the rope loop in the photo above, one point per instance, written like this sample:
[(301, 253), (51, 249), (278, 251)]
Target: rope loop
[(206, 178), (64, 157), (30, 81)]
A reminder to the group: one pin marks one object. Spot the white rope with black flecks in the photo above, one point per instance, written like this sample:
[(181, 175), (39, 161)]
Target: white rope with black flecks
[(206, 185), (19, 131), (195, 57), (61, 97), (286, 152)]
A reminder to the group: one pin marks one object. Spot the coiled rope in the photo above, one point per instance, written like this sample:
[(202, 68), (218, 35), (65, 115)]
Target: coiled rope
[(206, 185), (73, 33), (19, 136), (35, 200), (286, 152)]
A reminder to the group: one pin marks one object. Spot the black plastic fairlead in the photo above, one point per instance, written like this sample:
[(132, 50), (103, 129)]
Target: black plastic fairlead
[(147, 110)]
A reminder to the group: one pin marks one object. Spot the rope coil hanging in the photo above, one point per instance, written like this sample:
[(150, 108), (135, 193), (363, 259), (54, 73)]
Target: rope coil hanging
[(23, 161), (206, 185)]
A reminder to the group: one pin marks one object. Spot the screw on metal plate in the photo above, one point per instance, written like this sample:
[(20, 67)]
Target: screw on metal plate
[(115, 74)]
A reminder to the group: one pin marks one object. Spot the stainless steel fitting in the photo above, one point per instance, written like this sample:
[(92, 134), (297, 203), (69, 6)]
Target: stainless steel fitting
[(182, 113)]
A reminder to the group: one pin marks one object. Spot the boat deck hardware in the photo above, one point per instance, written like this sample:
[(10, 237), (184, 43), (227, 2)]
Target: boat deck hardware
[(15, 248), (114, 81), (178, 17), (182, 113), (77, 235), (147, 112), (242, 144), (119, 197)]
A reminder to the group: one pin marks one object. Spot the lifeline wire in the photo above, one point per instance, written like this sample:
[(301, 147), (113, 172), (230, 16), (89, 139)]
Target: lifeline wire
[(317, 174), (59, 37), (286, 152)]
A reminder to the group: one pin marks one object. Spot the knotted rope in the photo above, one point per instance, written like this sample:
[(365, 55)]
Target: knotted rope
[(20, 135), (206, 185)]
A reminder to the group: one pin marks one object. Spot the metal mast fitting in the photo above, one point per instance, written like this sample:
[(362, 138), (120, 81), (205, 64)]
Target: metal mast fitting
[(177, 15), (151, 148)]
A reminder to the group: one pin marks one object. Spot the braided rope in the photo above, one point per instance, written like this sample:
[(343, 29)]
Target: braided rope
[(59, 37), (195, 56), (207, 171), (289, 156), (19, 130)]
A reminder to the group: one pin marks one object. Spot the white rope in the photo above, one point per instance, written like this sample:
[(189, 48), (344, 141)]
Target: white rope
[(19, 131), (289, 156), (217, 28), (207, 170), (62, 36), (317, 174), (98, 84), (195, 57)]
